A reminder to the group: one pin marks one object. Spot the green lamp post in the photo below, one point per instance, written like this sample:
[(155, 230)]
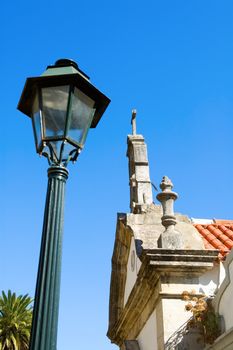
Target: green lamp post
[(63, 105)]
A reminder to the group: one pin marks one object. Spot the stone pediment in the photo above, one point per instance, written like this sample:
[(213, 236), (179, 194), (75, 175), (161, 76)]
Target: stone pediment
[(144, 229)]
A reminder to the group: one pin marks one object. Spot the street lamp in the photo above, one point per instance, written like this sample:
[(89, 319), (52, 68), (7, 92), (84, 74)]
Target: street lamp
[(63, 105)]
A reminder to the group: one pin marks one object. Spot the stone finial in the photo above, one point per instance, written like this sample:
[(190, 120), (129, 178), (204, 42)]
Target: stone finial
[(167, 198), (170, 238), (166, 185), (133, 122)]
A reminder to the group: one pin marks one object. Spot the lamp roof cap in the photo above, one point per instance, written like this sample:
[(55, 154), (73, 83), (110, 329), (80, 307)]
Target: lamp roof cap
[(64, 66)]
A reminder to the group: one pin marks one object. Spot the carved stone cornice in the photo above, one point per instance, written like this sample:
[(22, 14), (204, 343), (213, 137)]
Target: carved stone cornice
[(140, 304), (146, 292), (181, 261), (119, 269)]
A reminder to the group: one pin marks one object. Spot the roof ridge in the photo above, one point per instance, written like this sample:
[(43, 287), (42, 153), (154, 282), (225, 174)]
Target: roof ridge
[(223, 221)]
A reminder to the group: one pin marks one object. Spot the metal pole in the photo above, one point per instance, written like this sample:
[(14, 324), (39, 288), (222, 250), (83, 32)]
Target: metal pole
[(46, 305)]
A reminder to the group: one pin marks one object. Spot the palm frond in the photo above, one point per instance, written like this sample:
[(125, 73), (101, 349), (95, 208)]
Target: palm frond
[(15, 321)]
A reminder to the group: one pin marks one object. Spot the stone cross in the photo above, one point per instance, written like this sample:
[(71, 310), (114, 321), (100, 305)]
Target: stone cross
[(133, 121)]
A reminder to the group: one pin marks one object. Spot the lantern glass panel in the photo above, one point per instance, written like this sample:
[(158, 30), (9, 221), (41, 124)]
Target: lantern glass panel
[(36, 120), (65, 147), (54, 107), (82, 113)]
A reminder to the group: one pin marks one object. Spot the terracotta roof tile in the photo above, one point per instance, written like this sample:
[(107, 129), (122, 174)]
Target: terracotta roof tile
[(223, 222), (217, 235), (228, 231)]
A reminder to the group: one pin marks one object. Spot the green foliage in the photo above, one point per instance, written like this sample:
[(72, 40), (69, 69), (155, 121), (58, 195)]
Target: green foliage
[(204, 316), (15, 321)]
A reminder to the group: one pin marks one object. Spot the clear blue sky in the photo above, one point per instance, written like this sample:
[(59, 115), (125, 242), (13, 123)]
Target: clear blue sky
[(173, 61)]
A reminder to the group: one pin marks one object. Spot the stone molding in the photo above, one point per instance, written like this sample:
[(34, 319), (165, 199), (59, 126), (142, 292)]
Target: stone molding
[(177, 295), (146, 292), (181, 261), (140, 304), (119, 270)]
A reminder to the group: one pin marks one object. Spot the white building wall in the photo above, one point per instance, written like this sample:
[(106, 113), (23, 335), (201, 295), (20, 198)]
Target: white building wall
[(174, 313), (226, 301), (133, 267), (147, 338), (174, 316), (210, 280)]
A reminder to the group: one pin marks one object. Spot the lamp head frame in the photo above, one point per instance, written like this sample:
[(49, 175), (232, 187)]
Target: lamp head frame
[(64, 72)]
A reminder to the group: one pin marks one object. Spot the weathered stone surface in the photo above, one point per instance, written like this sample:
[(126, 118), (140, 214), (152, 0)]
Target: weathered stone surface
[(131, 345), (144, 194), (147, 227), (179, 261), (190, 237), (151, 217), (140, 184), (170, 239), (142, 173)]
